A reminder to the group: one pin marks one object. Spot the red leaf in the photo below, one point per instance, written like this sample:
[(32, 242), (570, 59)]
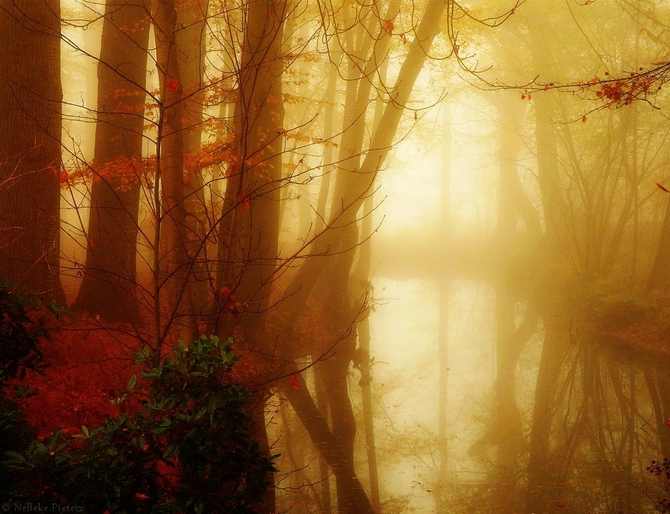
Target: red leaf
[(244, 200), (388, 26), (667, 191), (63, 177), (667, 422), (172, 85), (560, 504), (295, 383), (584, 119)]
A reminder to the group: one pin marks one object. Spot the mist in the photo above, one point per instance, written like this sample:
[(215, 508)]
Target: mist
[(434, 237)]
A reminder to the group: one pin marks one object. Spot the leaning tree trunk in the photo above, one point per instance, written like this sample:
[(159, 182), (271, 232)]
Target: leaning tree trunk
[(30, 146), (109, 287), (342, 234), (341, 311), (351, 198)]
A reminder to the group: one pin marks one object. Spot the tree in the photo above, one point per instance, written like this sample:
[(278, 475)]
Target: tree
[(109, 287), (254, 287), (30, 161)]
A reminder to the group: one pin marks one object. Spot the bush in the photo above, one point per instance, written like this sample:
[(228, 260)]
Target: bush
[(19, 332), (20, 337), (15, 433), (186, 449)]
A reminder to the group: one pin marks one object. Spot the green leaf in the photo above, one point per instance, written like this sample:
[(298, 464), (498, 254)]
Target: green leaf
[(132, 382), (213, 404), (171, 450), (14, 457), (54, 439)]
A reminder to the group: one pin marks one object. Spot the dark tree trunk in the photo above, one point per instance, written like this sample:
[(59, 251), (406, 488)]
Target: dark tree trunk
[(109, 287), (174, 312), (30, 149), (190, 39), (249, 229), (331, 447)]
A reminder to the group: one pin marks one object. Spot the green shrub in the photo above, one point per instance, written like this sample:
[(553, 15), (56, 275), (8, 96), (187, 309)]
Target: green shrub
[(15, 433), (19, 332), (186, 449)]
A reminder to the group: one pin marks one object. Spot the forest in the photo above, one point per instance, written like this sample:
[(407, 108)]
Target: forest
[(335, 256)]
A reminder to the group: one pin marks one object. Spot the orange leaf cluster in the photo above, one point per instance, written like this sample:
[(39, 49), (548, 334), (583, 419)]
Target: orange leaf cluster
[(121, 173), (209, 155), (125, 172), (623, 92)]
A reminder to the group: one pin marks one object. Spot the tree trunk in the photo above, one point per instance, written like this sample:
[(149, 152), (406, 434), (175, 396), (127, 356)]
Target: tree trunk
[(249, 229), (174, 266), (363, 360), (507, 417), (541, 489), (329, 445), (190, 39), (30, 149), (252, 193), (353, 184), (349, 202), (322, 405), (109, 287)]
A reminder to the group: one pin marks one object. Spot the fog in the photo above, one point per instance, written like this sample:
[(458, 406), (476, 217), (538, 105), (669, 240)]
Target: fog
[(437, 233)]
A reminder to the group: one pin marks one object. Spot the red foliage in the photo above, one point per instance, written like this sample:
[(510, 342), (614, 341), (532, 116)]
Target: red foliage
[(125, 172), (89, 367), (295, 383), (172, 85), (244, 201), (617, 92)]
